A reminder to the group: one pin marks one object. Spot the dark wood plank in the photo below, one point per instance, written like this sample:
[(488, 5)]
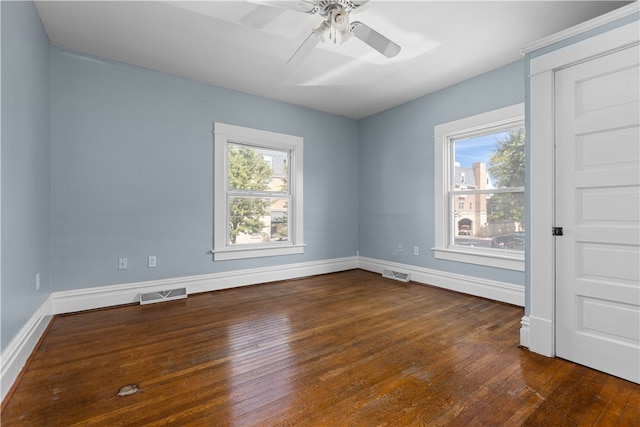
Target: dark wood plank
[(348, 348)]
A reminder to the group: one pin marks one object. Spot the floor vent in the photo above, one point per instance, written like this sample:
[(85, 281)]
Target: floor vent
[(160, 296), (396, 275)]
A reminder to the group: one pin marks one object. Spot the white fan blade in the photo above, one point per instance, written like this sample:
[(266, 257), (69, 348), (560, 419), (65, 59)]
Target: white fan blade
[(305, 48), (306, 6), (260, 16), (359, 3), (374, 39)]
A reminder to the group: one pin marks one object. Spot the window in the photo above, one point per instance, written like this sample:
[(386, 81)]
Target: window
[(481, 158), (257, 193)]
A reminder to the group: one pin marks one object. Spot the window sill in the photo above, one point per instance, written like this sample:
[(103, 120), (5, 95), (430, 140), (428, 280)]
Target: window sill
[(508, 260), (256, 252)]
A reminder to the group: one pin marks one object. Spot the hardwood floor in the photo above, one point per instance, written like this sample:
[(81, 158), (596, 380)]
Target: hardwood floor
[(344, 349)]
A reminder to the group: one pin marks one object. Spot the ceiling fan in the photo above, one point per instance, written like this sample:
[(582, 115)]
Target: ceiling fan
[(336, 26)]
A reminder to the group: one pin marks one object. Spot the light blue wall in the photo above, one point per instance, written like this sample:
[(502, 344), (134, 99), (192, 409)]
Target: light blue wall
[(132, 172), (396, 175), (25, 153), (118, 163), (101, 160)]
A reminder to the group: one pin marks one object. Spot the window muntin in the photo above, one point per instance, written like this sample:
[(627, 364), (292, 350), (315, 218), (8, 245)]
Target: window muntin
[(490, 163), (258, 193), (258, 196), (479, 209)]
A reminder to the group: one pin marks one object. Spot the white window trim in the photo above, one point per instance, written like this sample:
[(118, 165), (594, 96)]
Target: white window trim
[(225, 134), (510, 260)]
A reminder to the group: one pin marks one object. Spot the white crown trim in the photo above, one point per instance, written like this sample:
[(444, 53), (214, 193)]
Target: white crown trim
[(576, 30)]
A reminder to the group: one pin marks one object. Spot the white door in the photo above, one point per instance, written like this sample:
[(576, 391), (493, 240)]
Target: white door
[(598, 205)]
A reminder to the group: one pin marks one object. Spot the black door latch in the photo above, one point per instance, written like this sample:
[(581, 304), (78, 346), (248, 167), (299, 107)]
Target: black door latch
[(557, 231)]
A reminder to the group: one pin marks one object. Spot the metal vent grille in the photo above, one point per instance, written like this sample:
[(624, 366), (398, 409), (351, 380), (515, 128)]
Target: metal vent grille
[(396, 275), (160, 296)]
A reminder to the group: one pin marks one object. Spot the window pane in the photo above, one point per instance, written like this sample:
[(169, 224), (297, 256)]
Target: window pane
[(494, 160), (258, 219), (257, 169), (493, 221)]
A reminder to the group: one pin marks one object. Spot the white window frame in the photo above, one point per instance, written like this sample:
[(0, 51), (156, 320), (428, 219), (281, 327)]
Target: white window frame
[(225, 134), (500, 119)]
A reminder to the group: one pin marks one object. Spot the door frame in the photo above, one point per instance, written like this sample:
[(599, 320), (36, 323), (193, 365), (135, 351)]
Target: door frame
[(538, 331)]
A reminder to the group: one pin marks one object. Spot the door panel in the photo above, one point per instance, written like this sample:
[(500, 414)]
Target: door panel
[(598, 205), (607, 148)]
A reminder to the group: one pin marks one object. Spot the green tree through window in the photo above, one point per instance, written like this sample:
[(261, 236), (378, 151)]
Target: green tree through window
[(258, 201), (506, 167), (247, 171)]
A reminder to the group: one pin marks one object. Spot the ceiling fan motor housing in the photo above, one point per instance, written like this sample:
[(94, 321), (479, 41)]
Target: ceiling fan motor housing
[(326, 7)]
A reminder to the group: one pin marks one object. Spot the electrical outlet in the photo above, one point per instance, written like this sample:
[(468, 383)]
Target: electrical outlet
[(38, 282), (416, 250), (152, 261), (122, 263), (400, 248)]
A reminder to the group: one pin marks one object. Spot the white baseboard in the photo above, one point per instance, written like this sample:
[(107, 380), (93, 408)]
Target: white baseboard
[(18, 351), (15, 356), (525, 332), (109, 296), (492, 289), (542, 336)]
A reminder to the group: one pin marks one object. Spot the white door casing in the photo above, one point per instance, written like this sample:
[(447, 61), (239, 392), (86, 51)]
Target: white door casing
[(539, 325), (597, 201)]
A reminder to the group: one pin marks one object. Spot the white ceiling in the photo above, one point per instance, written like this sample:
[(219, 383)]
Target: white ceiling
[(443, 42)]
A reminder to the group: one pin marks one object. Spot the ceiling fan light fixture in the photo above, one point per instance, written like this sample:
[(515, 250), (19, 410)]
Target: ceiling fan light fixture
[(340, 19)]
